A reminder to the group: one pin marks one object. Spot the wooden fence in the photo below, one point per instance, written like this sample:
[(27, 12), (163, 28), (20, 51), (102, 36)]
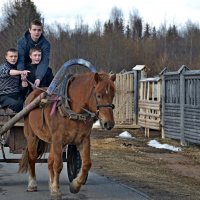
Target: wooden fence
[(170, 103), (126, 98), (123, 100), (150, 104), (181, 105)]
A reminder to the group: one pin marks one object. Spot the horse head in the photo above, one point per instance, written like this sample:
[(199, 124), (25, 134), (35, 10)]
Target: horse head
[(104, 90)]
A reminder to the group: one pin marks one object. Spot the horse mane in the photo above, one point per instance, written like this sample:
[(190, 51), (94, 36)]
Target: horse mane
[(105, 76)]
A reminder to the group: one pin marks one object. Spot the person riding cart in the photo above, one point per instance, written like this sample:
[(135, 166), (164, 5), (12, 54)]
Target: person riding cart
[(11, 87)]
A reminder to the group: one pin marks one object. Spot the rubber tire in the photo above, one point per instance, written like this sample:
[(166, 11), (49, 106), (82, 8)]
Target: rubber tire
[(73, 162)]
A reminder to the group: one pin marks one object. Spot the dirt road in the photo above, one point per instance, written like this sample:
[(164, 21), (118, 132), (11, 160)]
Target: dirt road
[(13, 186), (161, 174)]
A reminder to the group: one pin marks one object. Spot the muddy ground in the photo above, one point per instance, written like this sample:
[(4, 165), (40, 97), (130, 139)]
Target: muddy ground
[(159, 173)]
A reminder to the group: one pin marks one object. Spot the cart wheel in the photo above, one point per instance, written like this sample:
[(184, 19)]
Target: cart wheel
[(73, 162)]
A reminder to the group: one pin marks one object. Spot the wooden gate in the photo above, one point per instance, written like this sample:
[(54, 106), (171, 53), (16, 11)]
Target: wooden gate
[(150, 104), (126, 98), (123, 113)]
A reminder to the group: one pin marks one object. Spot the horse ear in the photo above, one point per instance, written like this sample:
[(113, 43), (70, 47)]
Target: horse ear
[(96, 77), (113, 77)]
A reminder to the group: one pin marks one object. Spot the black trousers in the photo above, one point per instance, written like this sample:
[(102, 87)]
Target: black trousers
[(13, 101)]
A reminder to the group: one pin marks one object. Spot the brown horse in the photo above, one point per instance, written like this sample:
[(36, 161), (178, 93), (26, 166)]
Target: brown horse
[(91, 92)]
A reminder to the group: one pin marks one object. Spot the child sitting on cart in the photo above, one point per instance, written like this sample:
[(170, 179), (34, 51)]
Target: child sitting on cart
[(35, 54), (11, 87)]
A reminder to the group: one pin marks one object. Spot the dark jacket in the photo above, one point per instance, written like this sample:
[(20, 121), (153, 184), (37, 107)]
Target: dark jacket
[(11, 92), (9, 84), (24, 44), (46, 80)]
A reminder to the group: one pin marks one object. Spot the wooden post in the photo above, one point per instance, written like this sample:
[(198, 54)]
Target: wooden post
[(182, 105), (136, 96), (163, 107)]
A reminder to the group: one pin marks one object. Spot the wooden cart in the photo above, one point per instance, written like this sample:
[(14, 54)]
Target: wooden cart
[(14, 139)]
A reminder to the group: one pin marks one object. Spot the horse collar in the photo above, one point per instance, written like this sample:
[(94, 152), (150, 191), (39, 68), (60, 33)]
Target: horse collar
[(64, 107)]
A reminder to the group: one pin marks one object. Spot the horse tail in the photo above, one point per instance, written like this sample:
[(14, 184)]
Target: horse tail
[(42, 147), (23, 164)]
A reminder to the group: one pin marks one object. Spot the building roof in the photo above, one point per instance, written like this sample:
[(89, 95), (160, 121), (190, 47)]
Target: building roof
[(139, 67), (153, 79)]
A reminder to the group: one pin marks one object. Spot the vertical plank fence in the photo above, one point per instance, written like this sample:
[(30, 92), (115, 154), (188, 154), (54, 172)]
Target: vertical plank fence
[(170, 103), (150, 104), (191, 107), (126, 98), (171, 111), (123, 100), (181, 105)]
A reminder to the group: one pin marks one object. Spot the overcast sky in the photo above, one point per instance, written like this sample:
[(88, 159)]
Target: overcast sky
[(154, 12)]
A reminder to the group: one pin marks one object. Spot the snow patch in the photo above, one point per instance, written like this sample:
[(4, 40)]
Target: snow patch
[(156, 144), (96, 124), (125, 134)]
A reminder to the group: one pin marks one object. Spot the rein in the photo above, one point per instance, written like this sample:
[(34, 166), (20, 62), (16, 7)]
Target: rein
[(35, 87)]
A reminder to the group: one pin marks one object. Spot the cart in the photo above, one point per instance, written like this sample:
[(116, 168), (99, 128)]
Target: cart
[(14, 139)]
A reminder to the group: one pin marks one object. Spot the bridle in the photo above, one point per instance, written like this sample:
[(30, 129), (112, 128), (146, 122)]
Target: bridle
[(98, 106), (112, 106)]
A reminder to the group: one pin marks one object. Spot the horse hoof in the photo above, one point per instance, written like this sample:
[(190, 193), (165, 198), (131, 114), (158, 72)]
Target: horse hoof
[(74, 188), (56, 196), (32, 189)]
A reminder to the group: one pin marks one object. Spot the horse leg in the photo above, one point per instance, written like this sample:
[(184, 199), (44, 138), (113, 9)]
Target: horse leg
[(32, 158), (50, 167), (32, 183), (55, 167), (75, 185)]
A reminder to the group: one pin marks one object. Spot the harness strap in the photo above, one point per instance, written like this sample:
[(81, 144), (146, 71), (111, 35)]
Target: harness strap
[(105, 106), (42, 104), (65, 112), (63, 104), (64, 94), (64, 107), (43, 122), (3, 152)]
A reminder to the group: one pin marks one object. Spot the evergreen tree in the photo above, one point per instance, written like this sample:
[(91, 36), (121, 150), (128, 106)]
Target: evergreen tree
[(136, 25), (147, 31), (154, 33), (128, 32)]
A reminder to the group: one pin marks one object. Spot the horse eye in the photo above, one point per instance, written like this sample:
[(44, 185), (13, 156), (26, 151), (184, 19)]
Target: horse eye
[(99, 96)]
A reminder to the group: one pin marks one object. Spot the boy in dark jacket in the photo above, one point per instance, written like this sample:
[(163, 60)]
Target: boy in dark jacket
[(11, 86), (32, 38), (35, 55)]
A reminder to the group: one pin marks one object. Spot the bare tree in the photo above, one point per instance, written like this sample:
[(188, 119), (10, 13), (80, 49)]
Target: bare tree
[(17, 16), (136, 25)]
